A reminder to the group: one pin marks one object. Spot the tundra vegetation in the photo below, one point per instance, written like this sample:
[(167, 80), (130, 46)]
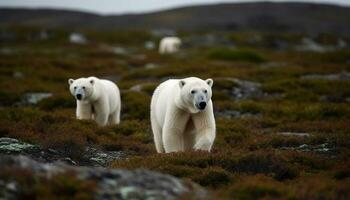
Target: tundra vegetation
[(283, 115)]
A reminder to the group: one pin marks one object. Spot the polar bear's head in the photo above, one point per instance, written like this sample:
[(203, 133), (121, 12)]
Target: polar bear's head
[(195, 93), (81, 88)]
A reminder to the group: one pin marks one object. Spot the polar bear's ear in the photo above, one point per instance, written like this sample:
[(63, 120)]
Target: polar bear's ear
[(70, 81), (92, 81), (182, 83), (210, 82)]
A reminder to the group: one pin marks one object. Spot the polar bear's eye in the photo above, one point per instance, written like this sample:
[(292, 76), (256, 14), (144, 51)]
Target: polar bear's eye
[(83, 87), (75, 87), (193, 91), (205, 91)]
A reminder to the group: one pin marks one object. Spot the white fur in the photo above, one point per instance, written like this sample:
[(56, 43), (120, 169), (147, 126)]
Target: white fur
[(169, 45), (177, 124), (101, 102)]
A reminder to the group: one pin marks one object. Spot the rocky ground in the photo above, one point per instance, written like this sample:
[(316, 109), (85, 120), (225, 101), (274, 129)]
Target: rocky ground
[(108, 183)]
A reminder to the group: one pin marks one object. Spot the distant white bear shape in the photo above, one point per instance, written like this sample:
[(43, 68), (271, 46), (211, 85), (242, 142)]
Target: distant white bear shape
[(97, 99), (168, 45), (182, 115)]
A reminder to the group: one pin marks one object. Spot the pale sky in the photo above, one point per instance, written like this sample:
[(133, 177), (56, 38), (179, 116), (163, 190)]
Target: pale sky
[(129, 6)]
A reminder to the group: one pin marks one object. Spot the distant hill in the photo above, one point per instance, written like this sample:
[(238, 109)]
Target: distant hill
[(263, 16)]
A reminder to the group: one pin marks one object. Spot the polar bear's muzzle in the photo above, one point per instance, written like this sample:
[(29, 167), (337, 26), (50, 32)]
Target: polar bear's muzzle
[(79, 94), (202, 105), (201, 101)]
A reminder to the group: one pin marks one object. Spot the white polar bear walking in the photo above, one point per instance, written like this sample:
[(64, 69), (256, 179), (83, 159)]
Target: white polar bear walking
[(168, 45), (182, 115), (97, 99)]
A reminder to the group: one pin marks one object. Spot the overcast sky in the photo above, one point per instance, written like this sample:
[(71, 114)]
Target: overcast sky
[(127, 6)]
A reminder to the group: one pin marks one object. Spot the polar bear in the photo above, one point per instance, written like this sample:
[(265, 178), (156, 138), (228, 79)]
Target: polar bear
[(97, 99), (182, 115), (169, 45)]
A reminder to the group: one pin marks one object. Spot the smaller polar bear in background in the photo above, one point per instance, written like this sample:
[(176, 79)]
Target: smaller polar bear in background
[(182, 115), (169, 45), (97, 99)]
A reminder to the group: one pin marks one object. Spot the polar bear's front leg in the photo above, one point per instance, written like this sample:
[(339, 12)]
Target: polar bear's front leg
[(204, 123), (84, 110), (101, 113), (173, 130)]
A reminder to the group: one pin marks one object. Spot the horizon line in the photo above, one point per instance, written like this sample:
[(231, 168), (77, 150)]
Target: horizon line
[(88, 11)]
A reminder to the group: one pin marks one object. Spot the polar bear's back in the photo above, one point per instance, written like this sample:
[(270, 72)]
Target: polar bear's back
[(112, 92), (172, 40), (109, 85)]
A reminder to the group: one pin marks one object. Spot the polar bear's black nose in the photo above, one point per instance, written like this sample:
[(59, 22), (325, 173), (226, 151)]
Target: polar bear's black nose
[(202, 105), (79, 96)]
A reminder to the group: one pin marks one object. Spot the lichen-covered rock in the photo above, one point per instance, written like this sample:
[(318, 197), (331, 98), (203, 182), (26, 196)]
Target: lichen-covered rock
[(111, 183), (91, 157), (325, 149), (8, 145)]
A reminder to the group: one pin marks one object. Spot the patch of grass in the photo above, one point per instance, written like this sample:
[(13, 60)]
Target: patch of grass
[(59, 101), (256, 189), (135, 105), (219, 165), (236, 55)]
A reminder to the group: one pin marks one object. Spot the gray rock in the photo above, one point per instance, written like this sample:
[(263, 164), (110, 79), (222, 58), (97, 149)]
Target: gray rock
[(234, 114), (245, 89), (111, 183), (136, 88), (343, 76), (150, 45), (308, 44), (18, 74), (34, 97), (7, 51), (151, 66), (294, 134), (324, 148), (101, 158), (341, 44), (77, 38), (120, 50)]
